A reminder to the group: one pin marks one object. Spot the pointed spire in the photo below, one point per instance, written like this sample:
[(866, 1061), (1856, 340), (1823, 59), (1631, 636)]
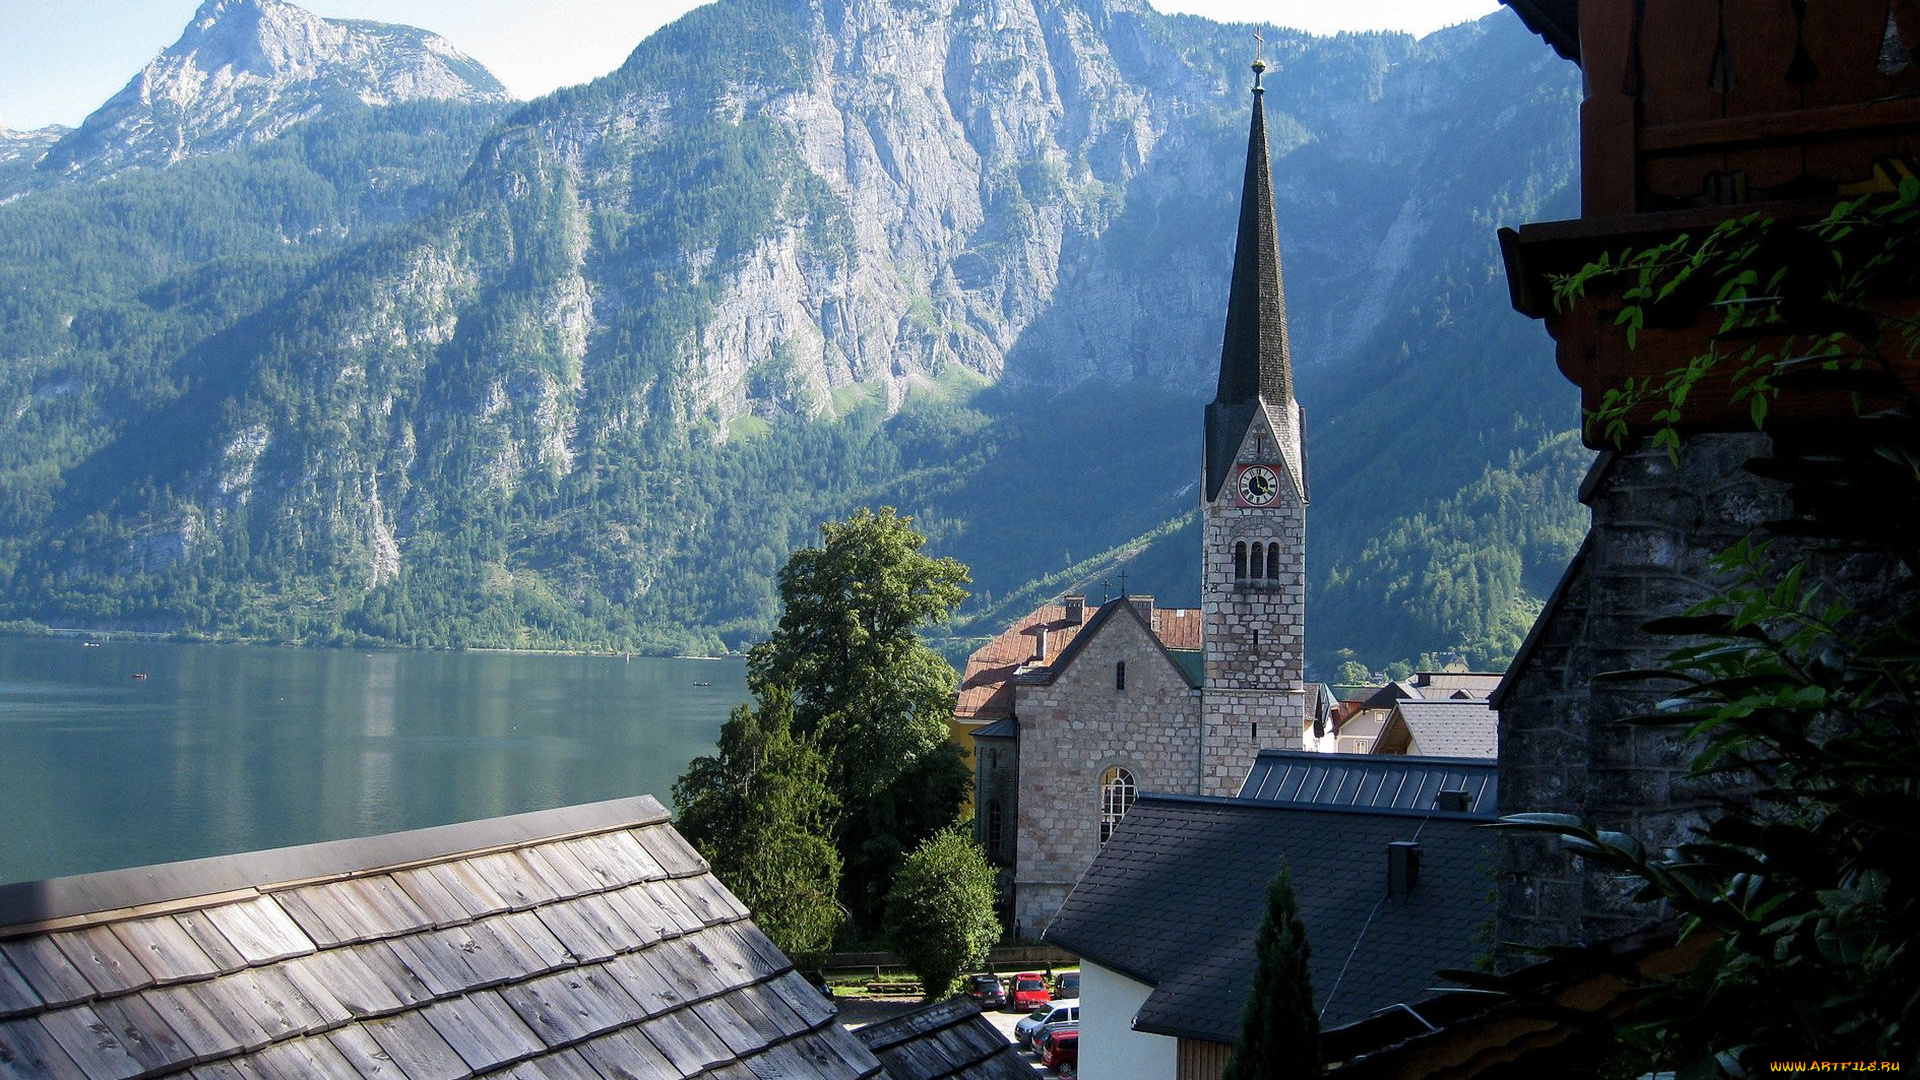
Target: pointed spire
[(1254, 357), (1255, 362)]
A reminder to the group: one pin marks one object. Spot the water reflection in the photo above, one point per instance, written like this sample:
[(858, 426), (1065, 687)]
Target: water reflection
[(230, 748)]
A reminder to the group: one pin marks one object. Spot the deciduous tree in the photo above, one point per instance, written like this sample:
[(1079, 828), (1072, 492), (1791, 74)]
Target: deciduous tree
[(940, 911)]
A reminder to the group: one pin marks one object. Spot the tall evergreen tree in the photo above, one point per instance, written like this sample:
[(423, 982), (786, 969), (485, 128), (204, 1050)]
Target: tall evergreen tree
[(761, 813), (1279, 1030)]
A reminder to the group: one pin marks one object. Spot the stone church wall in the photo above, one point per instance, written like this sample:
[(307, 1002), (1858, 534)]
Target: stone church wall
[(1071, 731)]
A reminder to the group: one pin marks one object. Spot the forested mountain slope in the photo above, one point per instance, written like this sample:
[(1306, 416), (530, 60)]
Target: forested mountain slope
[(585, 379)]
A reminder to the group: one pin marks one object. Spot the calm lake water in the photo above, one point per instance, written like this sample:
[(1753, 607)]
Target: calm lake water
[(226, 748)]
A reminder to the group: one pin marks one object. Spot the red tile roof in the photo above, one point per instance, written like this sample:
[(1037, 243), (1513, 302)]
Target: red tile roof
[(986, 688)]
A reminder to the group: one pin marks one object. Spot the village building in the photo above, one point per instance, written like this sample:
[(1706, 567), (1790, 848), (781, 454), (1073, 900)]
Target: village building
[(581, 943), (1391, 869), (1073, 715)]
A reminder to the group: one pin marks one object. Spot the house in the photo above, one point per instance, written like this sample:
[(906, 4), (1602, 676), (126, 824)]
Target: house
[(1461, 727), (582, 943), (1164, 921), (1694, 116), (1358, 725), (1140, 699)]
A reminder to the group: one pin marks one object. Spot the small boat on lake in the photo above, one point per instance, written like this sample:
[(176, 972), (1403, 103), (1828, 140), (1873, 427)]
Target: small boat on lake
[(703, 684)]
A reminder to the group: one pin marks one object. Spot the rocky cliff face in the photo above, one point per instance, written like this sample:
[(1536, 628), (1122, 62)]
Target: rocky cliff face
[(247, 70), (618, 346)]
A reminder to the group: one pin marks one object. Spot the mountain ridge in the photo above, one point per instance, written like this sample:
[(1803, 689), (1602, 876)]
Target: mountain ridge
[(654, 305)]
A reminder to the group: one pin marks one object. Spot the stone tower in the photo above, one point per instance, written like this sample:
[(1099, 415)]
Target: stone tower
[(1253, 502)]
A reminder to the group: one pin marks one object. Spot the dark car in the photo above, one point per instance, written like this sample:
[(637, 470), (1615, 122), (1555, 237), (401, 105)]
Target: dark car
[(1066, 984), (1029, 992), (987, 991), (1060, 1047)]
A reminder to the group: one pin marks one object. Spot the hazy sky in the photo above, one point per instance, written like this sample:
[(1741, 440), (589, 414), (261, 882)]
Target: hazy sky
[(58, 62)]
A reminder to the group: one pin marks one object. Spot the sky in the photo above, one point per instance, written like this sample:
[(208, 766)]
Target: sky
[(59, 62)]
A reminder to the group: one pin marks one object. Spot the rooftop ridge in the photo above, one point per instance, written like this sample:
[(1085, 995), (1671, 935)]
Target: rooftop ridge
[(106, 895)]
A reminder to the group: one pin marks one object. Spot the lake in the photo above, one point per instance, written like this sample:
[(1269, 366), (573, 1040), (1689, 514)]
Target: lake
[(226, 748)]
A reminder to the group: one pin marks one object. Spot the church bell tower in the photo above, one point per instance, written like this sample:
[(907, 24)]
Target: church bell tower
[(1253, 502)]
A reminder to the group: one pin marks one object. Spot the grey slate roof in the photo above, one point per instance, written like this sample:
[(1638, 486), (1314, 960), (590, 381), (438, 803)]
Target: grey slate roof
[(1176, 897), (586, 943), (945, 1040), (1465, 728), (1006, 727), (1369, 781)]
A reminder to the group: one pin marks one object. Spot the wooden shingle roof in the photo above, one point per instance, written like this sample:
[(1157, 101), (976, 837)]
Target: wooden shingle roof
[(949, 1040), (585, 943)]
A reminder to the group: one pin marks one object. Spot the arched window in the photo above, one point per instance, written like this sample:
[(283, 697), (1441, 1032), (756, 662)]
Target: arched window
[(1120, 675), (995, 823), (1254, 568), (1240, 560), (1273, 561), (1116, 796)]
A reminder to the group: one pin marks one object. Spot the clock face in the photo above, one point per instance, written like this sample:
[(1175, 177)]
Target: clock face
[(1258, 485)]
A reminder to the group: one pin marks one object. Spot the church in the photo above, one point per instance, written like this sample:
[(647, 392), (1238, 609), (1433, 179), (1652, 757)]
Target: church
[(1073, 712)]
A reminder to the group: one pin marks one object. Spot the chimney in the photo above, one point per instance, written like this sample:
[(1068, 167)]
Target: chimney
[(1451, 799), (1143, 605), (1040, 643), (1403, 867), (1076, 609)]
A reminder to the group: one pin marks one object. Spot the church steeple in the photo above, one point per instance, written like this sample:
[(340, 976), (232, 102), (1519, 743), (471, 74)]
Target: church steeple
[(1255, 361)]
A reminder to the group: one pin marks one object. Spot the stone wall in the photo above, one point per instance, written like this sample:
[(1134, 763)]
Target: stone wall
[(1072, 730), (996, 779), (1656, 526)]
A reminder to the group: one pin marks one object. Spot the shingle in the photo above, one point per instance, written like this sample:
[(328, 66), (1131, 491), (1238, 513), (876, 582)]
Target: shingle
[(513, 879), (483, 1030), (192, 1020), (465, 883), (432, 896), (686, 1041), (579, 934), (677, 917), (273, 1002), (627, 1055), (105, 962), (524, 930), (558, 868), (166, 950), (615, 858), (260, 931), (210, 940), (144, 1032), (670, 850), (378, 960), (91, 1043), (16, 994), (569, 1006), (304, 1059), (565, 1065), (644, 983), (412, 1044), (29, 1052), (48, 970)]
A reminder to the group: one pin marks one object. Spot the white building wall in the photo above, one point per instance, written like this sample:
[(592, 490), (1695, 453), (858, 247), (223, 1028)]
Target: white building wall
[(1109, 1047)]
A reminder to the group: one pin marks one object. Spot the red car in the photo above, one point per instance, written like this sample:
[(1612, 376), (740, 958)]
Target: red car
[(1029, 992), (1060, 1047)]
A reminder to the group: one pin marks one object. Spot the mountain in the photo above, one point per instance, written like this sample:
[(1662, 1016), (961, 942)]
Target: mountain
[(969, 260), (245, 71), (19, 150)]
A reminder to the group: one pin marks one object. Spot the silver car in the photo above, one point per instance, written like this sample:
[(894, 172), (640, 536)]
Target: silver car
[(1037, 1023)]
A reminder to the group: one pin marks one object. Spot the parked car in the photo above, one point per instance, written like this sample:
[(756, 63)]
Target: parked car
[(987, 991), (1037, 1023), (1061, 1047), (1029, 992), (1066, 985)]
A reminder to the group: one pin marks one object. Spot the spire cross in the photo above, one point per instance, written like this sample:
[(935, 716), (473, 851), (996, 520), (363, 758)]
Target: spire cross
[(1123, 584), (1259, 58)]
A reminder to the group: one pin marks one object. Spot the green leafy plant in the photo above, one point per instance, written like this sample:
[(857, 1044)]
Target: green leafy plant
[(940, 911)]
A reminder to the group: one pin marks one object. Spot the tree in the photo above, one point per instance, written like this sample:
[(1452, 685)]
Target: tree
[(868, 689), (1279, 1030), (940, 911), (761, 813)]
